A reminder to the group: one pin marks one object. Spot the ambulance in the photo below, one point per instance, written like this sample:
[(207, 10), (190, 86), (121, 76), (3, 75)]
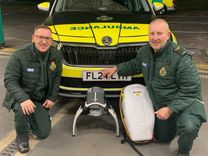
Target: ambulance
[(95, 34)]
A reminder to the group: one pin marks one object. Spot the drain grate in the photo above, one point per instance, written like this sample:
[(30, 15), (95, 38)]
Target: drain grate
[(11, 149)]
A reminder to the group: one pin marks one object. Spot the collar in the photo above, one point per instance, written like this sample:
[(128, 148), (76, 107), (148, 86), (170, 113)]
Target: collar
[(33, 56), (39, 54), (34, 52)]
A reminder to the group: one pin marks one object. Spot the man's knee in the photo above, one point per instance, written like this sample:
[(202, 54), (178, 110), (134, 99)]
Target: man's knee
[(189, 125), (43, 131), (43, 135)]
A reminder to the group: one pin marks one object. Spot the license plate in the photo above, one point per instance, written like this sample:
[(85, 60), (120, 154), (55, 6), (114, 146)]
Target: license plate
[(97, 76)]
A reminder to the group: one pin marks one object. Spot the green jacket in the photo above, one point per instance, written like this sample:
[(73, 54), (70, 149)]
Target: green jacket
[(23, 71), (170, 76)]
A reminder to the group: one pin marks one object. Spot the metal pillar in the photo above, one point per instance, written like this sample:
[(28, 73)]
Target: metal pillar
[(1, 29)]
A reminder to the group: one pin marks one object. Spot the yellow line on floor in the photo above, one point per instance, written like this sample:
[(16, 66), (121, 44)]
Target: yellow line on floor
[(7, 139), (202, 66), (8, 50)]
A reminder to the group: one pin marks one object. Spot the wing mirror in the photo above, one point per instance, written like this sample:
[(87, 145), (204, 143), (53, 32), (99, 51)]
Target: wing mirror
[(159, 8), (44, 6)]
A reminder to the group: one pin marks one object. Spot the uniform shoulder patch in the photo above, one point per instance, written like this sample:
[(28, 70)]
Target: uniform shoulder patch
[(181, 51)]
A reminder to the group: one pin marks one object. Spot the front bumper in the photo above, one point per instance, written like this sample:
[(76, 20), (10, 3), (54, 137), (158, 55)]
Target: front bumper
[(72, 85)]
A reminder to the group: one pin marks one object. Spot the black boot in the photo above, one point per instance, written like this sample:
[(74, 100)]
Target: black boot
[(22, 143)]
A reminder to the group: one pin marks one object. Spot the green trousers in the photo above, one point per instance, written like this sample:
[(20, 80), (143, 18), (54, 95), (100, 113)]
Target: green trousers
[(186, 125), (39, 121)]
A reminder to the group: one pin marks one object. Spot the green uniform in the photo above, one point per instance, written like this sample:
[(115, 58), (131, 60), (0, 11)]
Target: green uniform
[(172, 81), (36, 76)]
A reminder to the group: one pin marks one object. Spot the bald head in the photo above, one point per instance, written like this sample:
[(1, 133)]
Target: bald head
[(159, 33), (161, 22)]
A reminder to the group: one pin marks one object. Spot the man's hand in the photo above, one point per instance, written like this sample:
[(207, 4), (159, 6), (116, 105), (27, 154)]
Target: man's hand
[(48, 103), (28, 107), (163, 113), (109, 72)]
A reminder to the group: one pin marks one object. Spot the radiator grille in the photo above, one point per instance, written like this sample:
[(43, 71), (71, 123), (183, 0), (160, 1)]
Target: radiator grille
[(94, 56)]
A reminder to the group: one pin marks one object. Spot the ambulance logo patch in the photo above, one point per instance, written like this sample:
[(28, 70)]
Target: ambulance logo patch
[(53, 65), (30, 70), (162, 71), (144, 64)]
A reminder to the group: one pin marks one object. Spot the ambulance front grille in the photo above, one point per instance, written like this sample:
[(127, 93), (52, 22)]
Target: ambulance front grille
[(93, 56)]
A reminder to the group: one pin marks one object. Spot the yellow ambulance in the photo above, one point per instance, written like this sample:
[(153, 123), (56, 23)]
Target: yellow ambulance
[(95, 34)]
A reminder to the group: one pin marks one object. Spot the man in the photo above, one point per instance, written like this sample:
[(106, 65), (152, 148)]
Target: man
[(32, 79), (173, 84)]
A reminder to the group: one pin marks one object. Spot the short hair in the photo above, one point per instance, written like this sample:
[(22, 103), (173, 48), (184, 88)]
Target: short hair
[(42, 27), (160, 20)]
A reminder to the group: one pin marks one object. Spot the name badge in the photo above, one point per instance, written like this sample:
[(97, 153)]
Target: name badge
[(30, 69)]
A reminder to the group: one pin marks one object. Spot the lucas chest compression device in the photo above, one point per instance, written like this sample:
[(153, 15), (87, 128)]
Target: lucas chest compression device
[(96, 105)]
